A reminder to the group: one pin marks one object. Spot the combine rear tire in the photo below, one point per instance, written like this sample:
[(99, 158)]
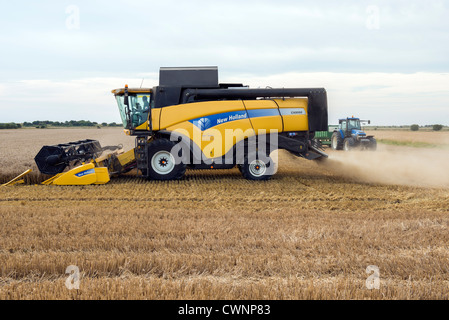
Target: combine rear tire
[(255, 168), (348, 144), (161, 161), (336, 141)]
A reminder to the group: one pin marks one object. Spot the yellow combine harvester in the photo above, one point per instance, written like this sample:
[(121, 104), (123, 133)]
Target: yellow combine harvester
[(192, 121)]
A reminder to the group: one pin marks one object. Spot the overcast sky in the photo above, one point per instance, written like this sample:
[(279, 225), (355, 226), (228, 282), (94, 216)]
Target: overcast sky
[(387, 61)]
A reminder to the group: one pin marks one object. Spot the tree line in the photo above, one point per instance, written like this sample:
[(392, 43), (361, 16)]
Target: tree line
[(11, 125), (435, 127), (87, 123), (46, 123)]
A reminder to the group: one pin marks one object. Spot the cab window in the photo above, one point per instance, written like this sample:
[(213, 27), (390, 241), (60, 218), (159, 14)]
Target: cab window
[(354, 124), (139, 108)]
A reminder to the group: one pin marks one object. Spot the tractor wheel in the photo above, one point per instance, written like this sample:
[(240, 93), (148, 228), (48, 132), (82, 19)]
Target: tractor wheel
[(336, 141), (372, 145), (255, 168), (348, 144), (162, 164)]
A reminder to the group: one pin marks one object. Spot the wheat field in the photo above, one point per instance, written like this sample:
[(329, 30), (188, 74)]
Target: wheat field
[(431, 137), (309, 233)]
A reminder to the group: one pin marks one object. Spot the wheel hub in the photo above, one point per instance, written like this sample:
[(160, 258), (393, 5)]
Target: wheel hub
[(163, 162), (257, 168)]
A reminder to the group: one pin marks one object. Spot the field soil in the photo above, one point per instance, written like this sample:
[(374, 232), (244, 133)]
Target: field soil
[(310, 232), (430, 137)]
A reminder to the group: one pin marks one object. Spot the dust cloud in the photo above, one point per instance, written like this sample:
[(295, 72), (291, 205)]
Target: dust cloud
[(422, 167)]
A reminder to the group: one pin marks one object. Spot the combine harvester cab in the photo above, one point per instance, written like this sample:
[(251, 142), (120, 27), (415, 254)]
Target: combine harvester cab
[(192, 121)]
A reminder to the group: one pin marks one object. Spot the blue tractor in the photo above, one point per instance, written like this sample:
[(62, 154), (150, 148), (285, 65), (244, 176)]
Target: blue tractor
[(349, 135)]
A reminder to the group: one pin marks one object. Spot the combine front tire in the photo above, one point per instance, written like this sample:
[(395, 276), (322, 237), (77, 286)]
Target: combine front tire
[(336, 141), (162, 163), (256, 168)]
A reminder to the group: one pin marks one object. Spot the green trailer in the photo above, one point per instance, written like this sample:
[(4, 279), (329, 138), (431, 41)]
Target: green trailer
[(325, 136)]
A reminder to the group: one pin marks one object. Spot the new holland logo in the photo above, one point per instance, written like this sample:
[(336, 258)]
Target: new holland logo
[(86, 172), (205, 123)]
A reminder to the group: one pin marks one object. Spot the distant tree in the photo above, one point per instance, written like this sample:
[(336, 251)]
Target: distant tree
[(71, 123), (414, 127), (10, 125), (89, 124), (104, 124), (437, 127), (112, 124)]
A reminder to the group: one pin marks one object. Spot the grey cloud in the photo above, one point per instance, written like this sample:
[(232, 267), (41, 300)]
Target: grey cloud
[(249, 36)]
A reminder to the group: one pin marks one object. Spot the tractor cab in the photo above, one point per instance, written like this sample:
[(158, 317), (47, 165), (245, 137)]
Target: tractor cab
[(135, 107), (351, 127), (349, 135)]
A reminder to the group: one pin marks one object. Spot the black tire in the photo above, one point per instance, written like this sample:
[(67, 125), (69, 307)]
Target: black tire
[(336, 141), (256, 168), (161, 161), (348, 144), (372, 145)]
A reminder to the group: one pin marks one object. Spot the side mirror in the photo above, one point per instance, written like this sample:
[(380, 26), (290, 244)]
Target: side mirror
[(369, 121)]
